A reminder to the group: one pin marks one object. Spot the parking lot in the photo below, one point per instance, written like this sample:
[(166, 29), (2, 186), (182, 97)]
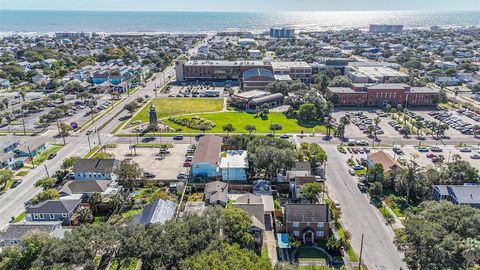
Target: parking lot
[(164, 167), (198, 90)]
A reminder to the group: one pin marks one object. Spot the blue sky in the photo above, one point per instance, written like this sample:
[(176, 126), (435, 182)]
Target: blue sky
[(240, 5)]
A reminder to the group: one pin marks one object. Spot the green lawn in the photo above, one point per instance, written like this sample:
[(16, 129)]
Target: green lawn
[(131, 264), (310, 254), (42, 157), (19, 217), (8, 184), (166, 107), (240, 119), (130, 213)]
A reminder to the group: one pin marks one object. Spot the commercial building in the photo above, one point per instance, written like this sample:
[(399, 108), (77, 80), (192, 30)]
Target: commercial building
[(386, 28), (282, 32), (94, 169), (257, 78), (297, 70), (381, 95), (371, 74), (215, 70)]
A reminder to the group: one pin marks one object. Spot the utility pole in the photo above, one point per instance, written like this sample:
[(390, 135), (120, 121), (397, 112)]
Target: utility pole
[(46, 170), (360, 258), (23, 124), (89, 145), (31, 157), (98, 135)]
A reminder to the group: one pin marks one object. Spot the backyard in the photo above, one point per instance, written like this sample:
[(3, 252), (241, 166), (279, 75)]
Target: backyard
[(166, 107), (240, 119)]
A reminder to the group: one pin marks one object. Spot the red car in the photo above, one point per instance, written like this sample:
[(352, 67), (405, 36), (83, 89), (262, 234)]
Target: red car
[(431, 156), (187, 164)]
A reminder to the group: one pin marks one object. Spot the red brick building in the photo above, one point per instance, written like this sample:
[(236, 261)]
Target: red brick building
[(382, 94)]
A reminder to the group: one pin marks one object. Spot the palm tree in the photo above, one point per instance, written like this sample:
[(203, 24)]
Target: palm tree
[(456, 157), (409, 178), (228, 128), (94, 200), (329, 126), (377, 121), (250, 129), (371, 129), (471, 252), (476, 130), (419, 125)]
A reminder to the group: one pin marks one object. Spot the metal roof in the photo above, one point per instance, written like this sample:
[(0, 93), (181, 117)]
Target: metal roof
[(258, 72), (159, 211)]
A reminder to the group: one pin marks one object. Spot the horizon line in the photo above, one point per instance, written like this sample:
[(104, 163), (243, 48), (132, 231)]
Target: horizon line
[(243, 11)]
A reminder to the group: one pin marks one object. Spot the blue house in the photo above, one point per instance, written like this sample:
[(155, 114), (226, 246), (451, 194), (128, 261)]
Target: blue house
[(467, 194), (53, 210), (234, 166), (94, 169), (31, 148), (7, 160), (100, 77), (207, 154), (8, 144)]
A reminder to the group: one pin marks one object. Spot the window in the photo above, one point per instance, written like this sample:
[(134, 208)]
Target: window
[(52, 216), (64, 215), (35, 216), (41, 216), (296, 233), (320, 224), (296, 225), (320, 233)]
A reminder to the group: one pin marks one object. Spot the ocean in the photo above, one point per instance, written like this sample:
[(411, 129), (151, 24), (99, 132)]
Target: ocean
[(13, 21)]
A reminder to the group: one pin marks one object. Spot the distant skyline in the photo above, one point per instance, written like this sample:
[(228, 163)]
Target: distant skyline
[(244, 5)]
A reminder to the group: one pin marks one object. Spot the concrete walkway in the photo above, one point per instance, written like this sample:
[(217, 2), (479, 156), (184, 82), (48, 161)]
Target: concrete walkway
[(271, 244)]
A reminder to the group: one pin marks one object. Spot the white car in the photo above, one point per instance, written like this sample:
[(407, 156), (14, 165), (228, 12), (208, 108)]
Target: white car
[(181, 175)]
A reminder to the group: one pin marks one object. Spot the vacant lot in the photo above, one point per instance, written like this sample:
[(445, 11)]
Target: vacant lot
[(240, 119), (166, 107)]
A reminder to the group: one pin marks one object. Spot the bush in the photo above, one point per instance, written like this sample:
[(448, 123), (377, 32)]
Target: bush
[(193, 122)]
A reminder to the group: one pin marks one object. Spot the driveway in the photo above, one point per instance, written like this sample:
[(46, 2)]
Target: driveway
[(359, 216)]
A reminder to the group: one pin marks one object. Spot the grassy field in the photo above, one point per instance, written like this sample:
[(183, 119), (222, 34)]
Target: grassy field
[(166, 107), (240, 119), (42, 157)]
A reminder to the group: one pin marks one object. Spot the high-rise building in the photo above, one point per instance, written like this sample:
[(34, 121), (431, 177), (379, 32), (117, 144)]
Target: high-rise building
[(282, 32), (386, 28)]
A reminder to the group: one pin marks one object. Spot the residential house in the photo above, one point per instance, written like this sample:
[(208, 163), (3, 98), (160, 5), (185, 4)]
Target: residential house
[(308, 222), (387, 161), (301, 168), (15, 232), (158, 212), (87, 188), (94, 169), (260, 209), (120, 88), (297, 183), (8, 144), (205, 159), (63, 210), (234, 166), (48, 62), (262, 187), (7, 161), (4, 83), (467, 194), (31, 148), (39, 79), (216, 192)]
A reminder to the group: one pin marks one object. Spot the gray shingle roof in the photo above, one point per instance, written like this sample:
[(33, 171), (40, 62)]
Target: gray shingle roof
[(54, 207), (159, 211), (303, 212), (81, 187), (94, 165), (16, 231)]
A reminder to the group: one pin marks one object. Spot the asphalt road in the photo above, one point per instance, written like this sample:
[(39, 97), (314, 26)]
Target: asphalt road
[(360, 217)]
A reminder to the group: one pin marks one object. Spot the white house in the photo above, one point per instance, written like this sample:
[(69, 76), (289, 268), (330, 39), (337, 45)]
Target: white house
[(234, 166)]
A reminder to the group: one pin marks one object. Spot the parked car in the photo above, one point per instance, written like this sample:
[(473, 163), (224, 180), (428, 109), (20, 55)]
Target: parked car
[(52, 155), (358, 167), (164, 151), (422, 149), (187, 163), (465, 150), (16, 183), (89, 132), (285, 136), (361, 186), (436, 149), (178, 137), (270, 135), (148, 175), (431, 156), (475, 156), (181, 175)]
